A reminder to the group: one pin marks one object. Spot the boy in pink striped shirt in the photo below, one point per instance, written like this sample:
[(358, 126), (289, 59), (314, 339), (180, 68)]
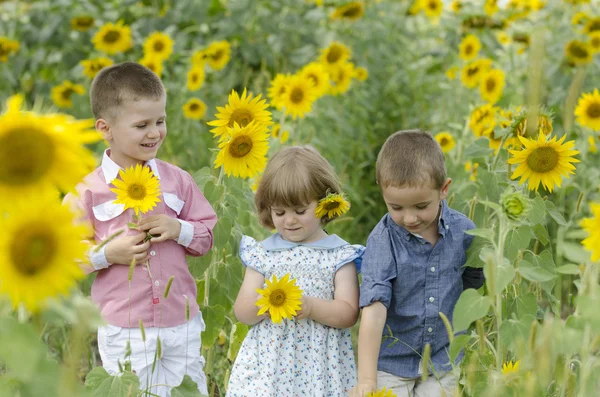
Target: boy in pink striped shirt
[(128, 101)]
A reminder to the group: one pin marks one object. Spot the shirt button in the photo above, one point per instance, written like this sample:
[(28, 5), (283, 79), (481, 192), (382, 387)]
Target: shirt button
[(432, 269), (429, 329), (447, 227), (431, 299), (156, 283), (152, 253)]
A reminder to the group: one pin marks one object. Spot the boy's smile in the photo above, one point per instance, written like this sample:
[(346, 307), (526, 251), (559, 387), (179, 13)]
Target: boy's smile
[(136, 132)]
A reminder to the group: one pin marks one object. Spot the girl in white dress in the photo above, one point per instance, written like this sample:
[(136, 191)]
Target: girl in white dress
[(310, 354)]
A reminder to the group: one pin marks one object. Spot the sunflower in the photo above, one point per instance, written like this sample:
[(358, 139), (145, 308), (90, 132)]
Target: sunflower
[(588, 110), (281, 298), (61, 94), (382, 393), (317, 73), (433, 8), (510, 367), (195, 78), (194, 109), (503, 38), (351, 11), (543, 161), (446, 141), (7, 47), (451, 72), (332, 206), (218, 54), (244, 149), (578, 52), (491, 85), (469, 47), (241, 110), (91, 67), (471, 73), (593, 25), (580, 18), (82, 23), (298, 97), (199, 58), (592, 227), (483, 120), (544, 124), (40, 248), (138, 188), (456, 6), (361, 74), (277, 134), (113, 38), (38, 151), (471, 168), (594, 42), (592, 145), (334, 55), (341, 77), (153, 63), (159, 46), (277, 89), (490, 7)]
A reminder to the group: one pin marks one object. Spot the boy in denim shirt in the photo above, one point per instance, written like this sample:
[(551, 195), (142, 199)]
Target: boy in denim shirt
[(412, 270)]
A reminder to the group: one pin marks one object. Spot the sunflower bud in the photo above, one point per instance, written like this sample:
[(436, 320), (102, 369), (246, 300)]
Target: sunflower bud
[(515, 206)]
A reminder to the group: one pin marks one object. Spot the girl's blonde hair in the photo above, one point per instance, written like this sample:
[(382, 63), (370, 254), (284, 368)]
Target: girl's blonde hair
[(294, 176)]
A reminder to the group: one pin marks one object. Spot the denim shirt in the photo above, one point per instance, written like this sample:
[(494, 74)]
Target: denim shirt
[(415, 282)]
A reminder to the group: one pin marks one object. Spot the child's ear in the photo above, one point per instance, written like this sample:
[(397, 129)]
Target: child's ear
[(444, 189), (103, 128)]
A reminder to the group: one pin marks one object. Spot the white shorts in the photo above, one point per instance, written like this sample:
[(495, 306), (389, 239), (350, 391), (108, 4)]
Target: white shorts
[(178, 357)]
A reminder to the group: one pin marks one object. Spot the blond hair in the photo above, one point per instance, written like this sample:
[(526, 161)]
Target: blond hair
[(117, 84), (294, 177), (411, 158)]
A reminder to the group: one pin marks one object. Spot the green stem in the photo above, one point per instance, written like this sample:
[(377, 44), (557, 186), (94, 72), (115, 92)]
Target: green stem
[(502, 232)]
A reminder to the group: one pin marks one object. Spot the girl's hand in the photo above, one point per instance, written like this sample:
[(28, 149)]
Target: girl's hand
[(304, 312), (162, 227), (362, 389)]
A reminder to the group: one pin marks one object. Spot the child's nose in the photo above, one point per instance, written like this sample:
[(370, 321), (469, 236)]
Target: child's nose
[(410, 218)]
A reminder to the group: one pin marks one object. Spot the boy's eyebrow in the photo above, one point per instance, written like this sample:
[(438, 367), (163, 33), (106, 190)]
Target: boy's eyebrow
[(400, 205), (164, 117)]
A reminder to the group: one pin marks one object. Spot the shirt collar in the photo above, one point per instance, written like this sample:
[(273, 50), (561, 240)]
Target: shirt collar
[(277, 243), (110, 169), (443, 224)]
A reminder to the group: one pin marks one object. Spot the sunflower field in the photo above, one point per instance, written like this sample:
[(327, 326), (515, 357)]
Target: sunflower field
[(509, 88)]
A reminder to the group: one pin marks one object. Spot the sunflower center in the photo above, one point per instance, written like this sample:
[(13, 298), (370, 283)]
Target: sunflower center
[(85, 22), (158, 46), (472, 71), (27, 155), (217, 55), (241, 116), (3, 51), (595, 42), (542, 159), (334, 54), (112, 36), (352, 12), (468, 49), (314, 78), (594, 26), (593, 110), (66, 94), (433, 5), (194, 107), (443, 141), (297, 95), (578, 51), (33, 250), (331, 206), (136, 191), (194, 78), (277, 298), (241, 146), (490, 84)]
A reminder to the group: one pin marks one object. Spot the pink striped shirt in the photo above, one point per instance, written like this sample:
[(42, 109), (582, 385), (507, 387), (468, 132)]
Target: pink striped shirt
[(181, 199)]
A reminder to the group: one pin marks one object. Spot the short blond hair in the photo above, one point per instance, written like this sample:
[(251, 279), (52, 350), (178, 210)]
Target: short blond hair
[(117, 84), (294, 176), (411, 158)]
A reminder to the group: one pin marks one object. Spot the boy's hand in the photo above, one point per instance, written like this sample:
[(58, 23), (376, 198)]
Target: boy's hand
[(162, 227), (122, 250), (362, 389), (306, 308)]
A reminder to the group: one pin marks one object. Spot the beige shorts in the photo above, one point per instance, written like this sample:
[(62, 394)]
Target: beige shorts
[(413, 387)]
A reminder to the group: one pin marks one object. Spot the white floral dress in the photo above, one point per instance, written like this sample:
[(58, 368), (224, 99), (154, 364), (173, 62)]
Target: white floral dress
[(296, 357)]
